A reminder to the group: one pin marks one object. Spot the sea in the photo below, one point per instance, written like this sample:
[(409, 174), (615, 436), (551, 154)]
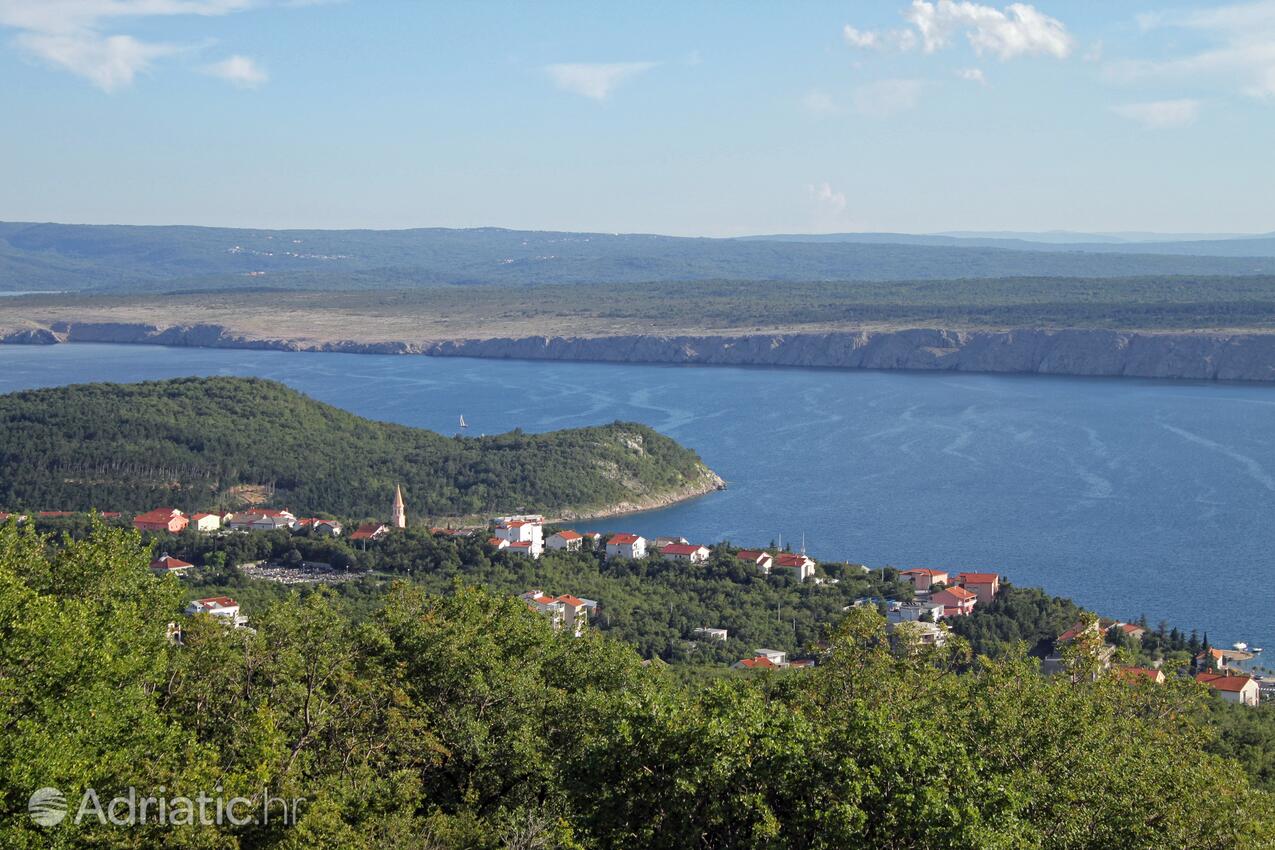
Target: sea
[(1132, 497)]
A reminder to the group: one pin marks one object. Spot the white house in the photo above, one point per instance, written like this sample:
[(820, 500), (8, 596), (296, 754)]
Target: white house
[(565, 612), (688, 552), (914, 611), (710, 634), (774, 656), (762, 560), (323, 527), (522, 530), (222, 607), (262, 519), (626, 546), (798, 565), (205, 522), (1238, 689), (566, 540), (168, 565)]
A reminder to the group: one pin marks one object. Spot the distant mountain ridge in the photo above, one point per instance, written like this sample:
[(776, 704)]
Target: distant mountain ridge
[(169, 258)]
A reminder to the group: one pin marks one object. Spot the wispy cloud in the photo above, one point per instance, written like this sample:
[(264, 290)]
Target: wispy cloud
[(76, 36), (1244, 49), (239, 71), (830, 201), (595, 80), (887, 97), (1160, 114), (1016, 30), (972, 75)]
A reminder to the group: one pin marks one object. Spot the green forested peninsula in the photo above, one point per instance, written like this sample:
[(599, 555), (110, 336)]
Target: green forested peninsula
[(194, 443), (466, 721)]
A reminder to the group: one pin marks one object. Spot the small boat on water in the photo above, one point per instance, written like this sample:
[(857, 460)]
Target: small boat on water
[(1240, 645), (1257, 650), (462, 421)]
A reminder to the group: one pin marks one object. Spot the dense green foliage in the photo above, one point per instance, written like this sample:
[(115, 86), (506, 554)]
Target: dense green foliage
[(78, 257), (188, 442), (466, 722), (1024, 615)]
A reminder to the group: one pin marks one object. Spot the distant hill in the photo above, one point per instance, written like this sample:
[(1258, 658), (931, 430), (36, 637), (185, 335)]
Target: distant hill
[(186, 442), (160, 259)]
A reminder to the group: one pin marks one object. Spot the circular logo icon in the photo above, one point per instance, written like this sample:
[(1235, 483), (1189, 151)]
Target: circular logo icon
[(47, 807)]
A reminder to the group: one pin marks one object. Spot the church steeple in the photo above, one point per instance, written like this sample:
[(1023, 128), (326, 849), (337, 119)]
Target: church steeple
[(400, 512)]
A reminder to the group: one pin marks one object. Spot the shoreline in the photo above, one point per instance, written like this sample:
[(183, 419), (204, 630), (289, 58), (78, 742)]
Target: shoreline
[(1195, 355)]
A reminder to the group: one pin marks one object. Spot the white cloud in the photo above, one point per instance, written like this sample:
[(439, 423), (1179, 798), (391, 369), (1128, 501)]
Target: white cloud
[(819, 103), (595, 80), (973, 75), (1017, 30), (887, 97), (239, 71), (1161, 114), (77, 36), (860, 38), (828, 199), (1244, 51)]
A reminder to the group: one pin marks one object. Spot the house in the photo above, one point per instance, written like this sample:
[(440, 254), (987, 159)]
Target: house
[(497, 543), (687, 552), (1238, 689), (1054, 662), (262, 519), (710, 634), (168, 565), (776, 657), (566, 540), (222, 607), (205, 522), (798, 565), (626, 546), (956, 601), (161, 520), (1134, 675), (565, 612), (1219, 659), (983, 585), (915, 611), (522, 547), (907, 636), (370, 531), (760, 662), (923, 579), (523, 530), (761, 560), (661, 542), (54, 514), (321, 527)]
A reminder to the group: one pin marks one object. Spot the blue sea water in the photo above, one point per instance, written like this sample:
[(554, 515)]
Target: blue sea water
[(1132, 497)]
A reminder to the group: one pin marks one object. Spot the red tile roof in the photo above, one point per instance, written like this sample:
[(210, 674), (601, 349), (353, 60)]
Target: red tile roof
[(220, 601), (978, 578), (623, 540), (958, 593), (791, 560), (1223, 682), (1140, 673), (157, 515), (568, 599), (168, 562), (568, 534), (681, 549), (753, 555), (761, 662), (923, 571)]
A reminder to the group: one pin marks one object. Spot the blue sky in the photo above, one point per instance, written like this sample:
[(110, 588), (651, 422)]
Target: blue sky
[(709, 118)]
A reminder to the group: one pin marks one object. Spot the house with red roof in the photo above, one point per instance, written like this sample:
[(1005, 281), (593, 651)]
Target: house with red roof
[(161, 521), (565, 612), (497, 543), (321, 527), (688, 552), (759, 662), (222, 607), (631, 546), (205, 522), (761, 560), (1139, 674), (983, 585), (168, 565), (519, 530), (922, 579), (1240, 689), (956, 601), (370, 531), (798, 565), (566, 540)]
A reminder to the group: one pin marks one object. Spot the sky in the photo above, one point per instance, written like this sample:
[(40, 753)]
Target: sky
[(692, 118)]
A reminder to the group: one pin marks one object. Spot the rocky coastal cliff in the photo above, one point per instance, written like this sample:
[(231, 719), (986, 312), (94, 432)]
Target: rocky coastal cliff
[(1196, 356)]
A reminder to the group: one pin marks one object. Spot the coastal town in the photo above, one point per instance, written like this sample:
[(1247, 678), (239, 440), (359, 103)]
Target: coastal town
[(920, 620)]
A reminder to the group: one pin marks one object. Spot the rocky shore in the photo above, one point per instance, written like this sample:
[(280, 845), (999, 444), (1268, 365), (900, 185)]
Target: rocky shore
[(1189, 355)]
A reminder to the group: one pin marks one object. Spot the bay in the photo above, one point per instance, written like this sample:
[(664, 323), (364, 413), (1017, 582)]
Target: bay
[(1132, 497)]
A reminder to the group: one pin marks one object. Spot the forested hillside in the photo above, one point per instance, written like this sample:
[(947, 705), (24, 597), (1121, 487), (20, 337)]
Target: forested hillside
[(465, 721), (98, 257), (190, 443)]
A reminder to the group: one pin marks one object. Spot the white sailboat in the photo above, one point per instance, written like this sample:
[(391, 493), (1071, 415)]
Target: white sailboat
[(462, 421)]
